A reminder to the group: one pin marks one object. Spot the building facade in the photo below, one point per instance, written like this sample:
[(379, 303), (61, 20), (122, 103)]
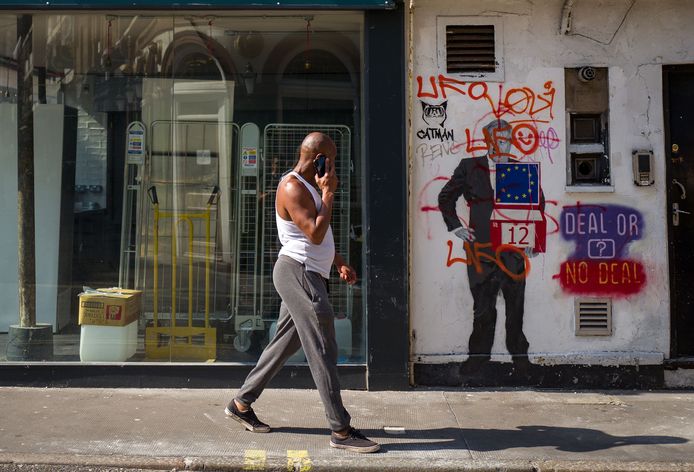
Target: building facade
[(158, 135), (578, 256), (514, 187)]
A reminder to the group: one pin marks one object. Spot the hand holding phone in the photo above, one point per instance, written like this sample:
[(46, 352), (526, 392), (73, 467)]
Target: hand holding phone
[(319, 165), (326, 179)]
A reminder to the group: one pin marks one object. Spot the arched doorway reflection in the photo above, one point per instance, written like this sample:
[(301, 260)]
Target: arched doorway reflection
[(317, 87)]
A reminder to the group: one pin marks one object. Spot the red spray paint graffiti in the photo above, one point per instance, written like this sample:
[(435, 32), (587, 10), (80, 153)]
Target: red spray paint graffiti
[(426, 205), (613, 277), (476, 253), (599, 264), (515, 101), (526, 139), (529, 113)]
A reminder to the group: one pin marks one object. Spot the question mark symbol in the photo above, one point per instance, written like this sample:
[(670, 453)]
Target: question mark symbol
[(602, 245)]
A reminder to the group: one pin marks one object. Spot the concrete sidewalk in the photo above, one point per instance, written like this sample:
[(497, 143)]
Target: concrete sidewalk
[(513, 430)]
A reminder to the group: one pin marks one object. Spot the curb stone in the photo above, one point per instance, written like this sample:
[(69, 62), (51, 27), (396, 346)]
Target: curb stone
[(351, 463)]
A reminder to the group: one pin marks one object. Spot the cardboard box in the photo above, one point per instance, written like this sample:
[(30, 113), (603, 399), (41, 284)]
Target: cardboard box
[(110, 306)]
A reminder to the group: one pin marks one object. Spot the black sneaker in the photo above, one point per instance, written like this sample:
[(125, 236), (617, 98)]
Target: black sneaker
[(246, 418), (355, 441)]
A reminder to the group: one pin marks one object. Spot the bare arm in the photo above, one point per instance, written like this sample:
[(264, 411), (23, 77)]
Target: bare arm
[(294, 202)]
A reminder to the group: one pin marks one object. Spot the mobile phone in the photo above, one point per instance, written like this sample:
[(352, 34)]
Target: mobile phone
[(319, 164)]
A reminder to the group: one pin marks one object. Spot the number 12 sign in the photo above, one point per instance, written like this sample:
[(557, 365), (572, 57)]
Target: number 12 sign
[(518, 234), (519, 228)]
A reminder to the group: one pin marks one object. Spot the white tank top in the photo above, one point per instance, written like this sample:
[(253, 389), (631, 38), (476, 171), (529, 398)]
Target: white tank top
[(295, 244)]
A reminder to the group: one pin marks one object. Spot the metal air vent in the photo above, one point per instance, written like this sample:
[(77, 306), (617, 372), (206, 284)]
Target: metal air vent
[(470, 48), (593, 316)]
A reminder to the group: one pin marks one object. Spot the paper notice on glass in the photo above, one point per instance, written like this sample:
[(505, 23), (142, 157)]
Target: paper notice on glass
[(249, 157), (135, 149), (204, 157)]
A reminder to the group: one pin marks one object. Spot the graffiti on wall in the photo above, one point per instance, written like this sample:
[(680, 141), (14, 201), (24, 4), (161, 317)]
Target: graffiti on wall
[(506, 227), (434, 115), (600, 264), (523, 134), (500, 137), (427, 204), (475, 254), (528, 111)]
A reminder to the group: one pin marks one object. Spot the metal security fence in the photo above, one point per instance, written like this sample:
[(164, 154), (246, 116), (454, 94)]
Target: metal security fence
[(281, 143)]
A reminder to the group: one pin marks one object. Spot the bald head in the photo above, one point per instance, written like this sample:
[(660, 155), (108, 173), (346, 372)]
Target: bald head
[(317, 143)]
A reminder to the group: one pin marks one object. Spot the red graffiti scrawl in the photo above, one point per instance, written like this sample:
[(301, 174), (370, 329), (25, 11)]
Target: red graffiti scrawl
[(610, 277)]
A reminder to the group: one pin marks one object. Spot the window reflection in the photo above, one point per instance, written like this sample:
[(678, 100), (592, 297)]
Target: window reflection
[(224, 102)]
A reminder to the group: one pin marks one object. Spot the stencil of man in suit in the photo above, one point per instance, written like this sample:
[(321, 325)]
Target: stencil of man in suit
[(474, 180)]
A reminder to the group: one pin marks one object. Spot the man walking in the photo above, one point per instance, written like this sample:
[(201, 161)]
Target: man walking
[(300, 277), (473, 179)]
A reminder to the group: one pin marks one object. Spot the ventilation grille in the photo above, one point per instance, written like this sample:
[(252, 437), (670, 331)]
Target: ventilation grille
[(470, 48), (593, 316)]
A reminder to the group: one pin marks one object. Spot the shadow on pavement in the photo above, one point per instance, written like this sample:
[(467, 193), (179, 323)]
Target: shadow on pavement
[(560, 438)]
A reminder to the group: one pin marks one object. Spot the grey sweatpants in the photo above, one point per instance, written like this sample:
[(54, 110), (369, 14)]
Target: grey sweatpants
[(306, 320)]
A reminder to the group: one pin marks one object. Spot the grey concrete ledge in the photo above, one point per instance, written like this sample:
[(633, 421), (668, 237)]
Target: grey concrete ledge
[(350, 463)]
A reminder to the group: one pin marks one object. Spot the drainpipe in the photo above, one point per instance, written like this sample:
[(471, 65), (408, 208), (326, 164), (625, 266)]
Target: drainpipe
[(565, 26), (410, 160)]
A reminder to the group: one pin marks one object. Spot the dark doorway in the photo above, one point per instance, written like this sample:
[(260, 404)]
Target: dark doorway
[(678, 86), (97, 224)]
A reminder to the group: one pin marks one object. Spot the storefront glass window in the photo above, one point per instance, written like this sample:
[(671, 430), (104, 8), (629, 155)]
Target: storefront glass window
[(159, 141)]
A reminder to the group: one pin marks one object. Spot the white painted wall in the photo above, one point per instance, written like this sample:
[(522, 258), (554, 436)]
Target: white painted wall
[(653, 33)]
